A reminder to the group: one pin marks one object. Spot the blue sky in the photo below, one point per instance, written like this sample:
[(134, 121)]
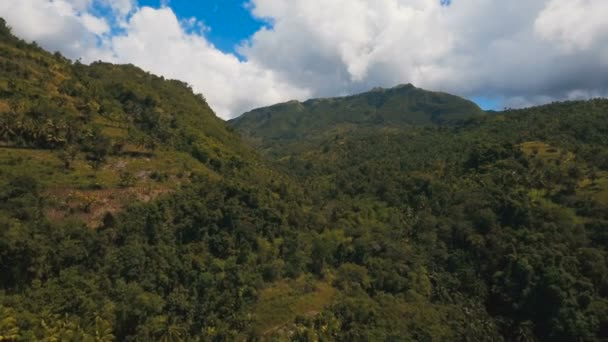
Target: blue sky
[(230, 22), (486, 103)]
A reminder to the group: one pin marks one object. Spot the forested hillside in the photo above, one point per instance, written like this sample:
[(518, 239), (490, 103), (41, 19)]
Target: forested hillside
[(491, 228), (130, 212), (295, 123)]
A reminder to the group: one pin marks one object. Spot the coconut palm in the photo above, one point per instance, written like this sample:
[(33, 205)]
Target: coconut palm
[(6, 131), (9, 331), (103, 330)]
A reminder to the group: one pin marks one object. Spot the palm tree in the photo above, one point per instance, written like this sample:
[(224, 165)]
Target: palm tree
[(524, 332), (62, 329), (52, 133), (9, 331), (173, 333), (6, 131), (103, 330), (165, 331)]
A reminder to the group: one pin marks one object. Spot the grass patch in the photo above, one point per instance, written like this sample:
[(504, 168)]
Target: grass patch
[(546, 152), (596, 187), (48, 169), (539, 197), (85, 193), (282, 302)]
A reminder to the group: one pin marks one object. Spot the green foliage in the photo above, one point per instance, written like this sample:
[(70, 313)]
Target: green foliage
[(294, 123), (101, 110), (9, 330), (492, 214), (126, 179)]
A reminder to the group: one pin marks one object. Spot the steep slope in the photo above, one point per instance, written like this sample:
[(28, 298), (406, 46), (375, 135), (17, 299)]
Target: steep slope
[(128, 210), (105, 134), (401, 106), (49, 102)]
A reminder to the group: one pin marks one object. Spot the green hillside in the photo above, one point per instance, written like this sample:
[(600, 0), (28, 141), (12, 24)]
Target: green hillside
[(130, 212), (492, 222), (106, 134), (405, 105)]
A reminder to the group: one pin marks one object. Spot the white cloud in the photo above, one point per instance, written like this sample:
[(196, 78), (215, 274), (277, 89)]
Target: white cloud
[(522, 52), (156, 41), (79, 5), (56, 25), (332, 45), (122, 7), (575, 24), (95, 25), (500, 49)]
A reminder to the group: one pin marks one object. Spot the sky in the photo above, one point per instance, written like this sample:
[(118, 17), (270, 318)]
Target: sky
[(229, 22), (246, 54)]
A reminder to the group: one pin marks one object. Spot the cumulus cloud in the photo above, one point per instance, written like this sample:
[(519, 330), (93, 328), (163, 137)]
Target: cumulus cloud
[(156, 40), (56, 25), (509, 50), (343, 44), (575, 24), (97, 26), (515, 52)]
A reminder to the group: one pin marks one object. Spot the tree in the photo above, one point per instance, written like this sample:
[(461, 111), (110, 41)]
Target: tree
[(5, 30), (9, 331), (352, 276), (103, 330), (67, 155), (97, 147)]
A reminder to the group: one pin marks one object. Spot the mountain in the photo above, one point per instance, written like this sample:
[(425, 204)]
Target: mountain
[(401, 106), (130, 212), (109, 133), (490, 208)]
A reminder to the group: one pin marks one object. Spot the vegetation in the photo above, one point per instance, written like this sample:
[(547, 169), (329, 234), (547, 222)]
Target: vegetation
[(294, 123), (129, 212), (483, 229)]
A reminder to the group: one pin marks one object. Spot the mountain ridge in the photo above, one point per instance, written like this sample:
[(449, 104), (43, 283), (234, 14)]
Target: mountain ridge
[(299, 124), (399, 106)]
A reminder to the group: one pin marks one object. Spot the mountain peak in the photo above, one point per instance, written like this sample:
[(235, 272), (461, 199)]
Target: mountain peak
[(397, 87), (405, 86), (399, 106)]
